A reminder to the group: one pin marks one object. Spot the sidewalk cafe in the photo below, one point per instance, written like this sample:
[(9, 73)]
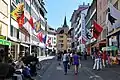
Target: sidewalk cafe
[(113, 52)]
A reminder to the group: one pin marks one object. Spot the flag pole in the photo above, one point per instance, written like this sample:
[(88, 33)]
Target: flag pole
[(30, 32)]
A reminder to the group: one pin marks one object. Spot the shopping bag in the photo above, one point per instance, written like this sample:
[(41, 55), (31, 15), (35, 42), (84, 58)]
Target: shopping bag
[(80, 65), (68, 65)]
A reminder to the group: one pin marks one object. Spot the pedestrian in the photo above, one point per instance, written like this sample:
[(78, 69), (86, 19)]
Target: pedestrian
[(104, 58), (76, 62), (65, 61), (85, 55), (98, 61)]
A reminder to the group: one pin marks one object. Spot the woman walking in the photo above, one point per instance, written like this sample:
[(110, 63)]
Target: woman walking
[(65, 61), (76, 62)]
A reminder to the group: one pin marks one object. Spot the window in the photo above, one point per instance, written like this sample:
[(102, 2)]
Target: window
[(116, 5), (68, 40), (11, 30), (61, 41), (14, 32), (100, 5), (100, 19), (25, 20), (4, 7), (21, 0), (17, 1), (11, 8), (27, 7), (61, 36), (17, 33), (62, 45)]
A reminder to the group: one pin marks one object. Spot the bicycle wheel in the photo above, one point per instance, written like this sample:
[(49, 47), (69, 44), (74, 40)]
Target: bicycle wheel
[(38, 66)]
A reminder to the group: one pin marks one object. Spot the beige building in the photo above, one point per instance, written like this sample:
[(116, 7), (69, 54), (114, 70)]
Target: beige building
[(4, 17), (63, 40), (102, 6), (114, 34)]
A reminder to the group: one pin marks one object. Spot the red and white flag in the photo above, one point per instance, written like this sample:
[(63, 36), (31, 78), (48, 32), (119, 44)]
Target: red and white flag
[(40, 36), (97, 29)]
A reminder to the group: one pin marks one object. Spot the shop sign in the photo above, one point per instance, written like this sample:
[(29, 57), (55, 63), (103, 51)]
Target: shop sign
[(4, 42)]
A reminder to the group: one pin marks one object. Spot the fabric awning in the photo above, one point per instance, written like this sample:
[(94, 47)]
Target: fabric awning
[(5, 42)]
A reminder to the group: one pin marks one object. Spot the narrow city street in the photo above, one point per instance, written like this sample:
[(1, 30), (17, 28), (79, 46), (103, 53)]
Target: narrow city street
[(36, 34), (55, 72)]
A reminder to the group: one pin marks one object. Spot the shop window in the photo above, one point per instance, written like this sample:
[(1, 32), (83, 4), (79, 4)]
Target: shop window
[(61, 36)]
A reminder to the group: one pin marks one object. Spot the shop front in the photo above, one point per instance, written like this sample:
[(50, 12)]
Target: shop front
[(113, 40), (14, 50), (24, 49), (4, 46)]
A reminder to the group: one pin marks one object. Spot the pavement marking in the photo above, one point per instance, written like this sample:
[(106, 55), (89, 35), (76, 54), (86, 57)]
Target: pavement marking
[(39, 75), (92, 74), (59, 68), (96, 77)]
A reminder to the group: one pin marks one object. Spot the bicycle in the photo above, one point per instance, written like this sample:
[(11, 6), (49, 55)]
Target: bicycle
[(39, 66)]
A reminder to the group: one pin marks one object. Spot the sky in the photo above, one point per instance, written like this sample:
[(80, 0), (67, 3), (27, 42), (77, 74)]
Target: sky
[(58, 9)]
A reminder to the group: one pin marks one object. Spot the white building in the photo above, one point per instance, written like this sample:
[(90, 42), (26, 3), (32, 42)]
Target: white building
[(78, 27), (24, 39), (51, 39)]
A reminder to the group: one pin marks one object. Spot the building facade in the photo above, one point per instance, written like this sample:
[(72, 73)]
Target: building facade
[(78, 27), (62, 37), (4, 43), (102, 9), (90, 17), (51, 41), (18, 40), (113, 36)]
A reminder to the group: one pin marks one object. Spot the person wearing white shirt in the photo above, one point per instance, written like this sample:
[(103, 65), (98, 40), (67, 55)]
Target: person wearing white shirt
[(65, 61)]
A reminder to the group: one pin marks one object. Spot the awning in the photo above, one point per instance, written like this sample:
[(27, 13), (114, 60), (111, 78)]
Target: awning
[(110, 48), (42, 45), (5, 42), (24, 45)]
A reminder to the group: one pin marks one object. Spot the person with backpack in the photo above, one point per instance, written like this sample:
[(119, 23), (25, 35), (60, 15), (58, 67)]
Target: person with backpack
[(65, 61)]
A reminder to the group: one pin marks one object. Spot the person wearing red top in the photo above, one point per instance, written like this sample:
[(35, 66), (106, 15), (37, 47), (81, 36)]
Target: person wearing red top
[(104, 58)]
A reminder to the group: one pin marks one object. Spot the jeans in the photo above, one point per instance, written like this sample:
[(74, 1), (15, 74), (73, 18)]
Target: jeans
[(65, 63), (97, 64)]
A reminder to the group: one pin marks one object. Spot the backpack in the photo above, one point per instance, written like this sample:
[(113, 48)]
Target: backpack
[(67, 58)]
